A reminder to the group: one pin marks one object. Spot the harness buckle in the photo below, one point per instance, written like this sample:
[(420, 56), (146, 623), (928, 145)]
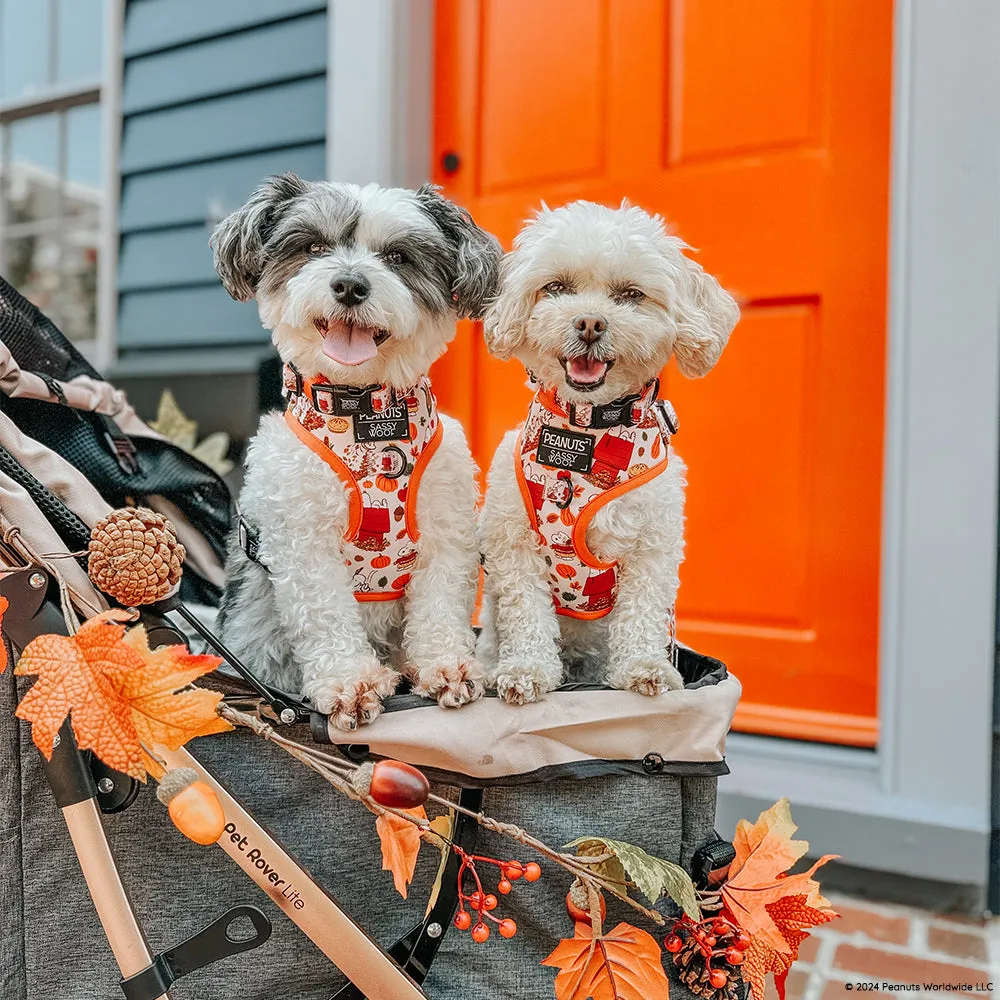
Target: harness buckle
[(666, 416), (248, 537)]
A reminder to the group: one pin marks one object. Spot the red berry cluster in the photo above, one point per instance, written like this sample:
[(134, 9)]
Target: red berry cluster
[(482, 903), (719, 940)]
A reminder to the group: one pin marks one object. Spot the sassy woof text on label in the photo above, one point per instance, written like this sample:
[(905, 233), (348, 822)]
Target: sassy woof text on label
[(285, 888)]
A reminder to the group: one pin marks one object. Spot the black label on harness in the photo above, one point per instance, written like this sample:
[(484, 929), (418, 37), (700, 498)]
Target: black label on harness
[(340, 401), (391, 425), (561, 449)]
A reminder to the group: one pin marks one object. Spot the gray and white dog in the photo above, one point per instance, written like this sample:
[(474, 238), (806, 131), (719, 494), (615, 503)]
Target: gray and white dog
[(361, 288)]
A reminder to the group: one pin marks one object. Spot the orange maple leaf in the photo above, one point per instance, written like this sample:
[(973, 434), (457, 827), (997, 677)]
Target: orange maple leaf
[(764, 852), (119, 694), (623, 964), (794, 918), (400, 846), (4, 604)]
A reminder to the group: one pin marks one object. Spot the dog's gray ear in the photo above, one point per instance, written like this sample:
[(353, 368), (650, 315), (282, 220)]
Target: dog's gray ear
[(238, 241), (477, 253), (706, 314), (506, 318)]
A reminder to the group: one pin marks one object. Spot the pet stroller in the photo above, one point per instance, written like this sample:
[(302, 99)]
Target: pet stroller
[(584, 762)]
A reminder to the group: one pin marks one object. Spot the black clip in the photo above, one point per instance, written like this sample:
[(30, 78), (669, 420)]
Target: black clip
[(710, 863), (115, 791), (207, 946), (120, 445)]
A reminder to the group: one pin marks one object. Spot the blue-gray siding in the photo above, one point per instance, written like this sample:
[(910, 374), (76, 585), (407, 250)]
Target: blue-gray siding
[(217, 94)]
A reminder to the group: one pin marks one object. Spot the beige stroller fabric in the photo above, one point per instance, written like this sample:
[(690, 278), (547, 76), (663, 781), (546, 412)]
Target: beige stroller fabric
[(82, 393), (567, 733)]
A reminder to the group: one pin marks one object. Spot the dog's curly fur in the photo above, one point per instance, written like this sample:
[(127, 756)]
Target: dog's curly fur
[(621, 266), (296, 622)]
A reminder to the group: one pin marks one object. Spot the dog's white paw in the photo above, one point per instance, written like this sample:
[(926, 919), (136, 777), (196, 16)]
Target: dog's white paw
[(519, 686), (648, 675), (452, 684), (354, 702)]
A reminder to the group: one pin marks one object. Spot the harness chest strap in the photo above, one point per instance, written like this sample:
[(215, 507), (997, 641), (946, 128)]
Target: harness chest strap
[(567, 471), (378, 441)]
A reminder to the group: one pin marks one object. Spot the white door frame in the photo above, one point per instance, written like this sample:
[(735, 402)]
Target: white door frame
[(919, 804)]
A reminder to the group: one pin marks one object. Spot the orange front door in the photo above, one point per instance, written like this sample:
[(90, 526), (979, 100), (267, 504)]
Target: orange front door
[(760, 129)]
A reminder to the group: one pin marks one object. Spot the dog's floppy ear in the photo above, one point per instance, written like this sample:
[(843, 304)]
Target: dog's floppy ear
[(508, 315), (705, 314), (238, 241), (477, 252)]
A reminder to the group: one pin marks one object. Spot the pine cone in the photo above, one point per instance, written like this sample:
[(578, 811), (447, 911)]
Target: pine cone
[(135, 556), (693, 973)]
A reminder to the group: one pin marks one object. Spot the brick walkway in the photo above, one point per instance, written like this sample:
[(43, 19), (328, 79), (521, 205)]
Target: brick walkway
[(881, 943)]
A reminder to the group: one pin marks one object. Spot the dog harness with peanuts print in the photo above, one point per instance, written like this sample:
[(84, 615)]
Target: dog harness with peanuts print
[(572, 460), (378, 441)]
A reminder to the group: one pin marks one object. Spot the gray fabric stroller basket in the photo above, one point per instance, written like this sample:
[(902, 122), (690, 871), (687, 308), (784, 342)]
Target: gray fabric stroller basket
[(582, 762)]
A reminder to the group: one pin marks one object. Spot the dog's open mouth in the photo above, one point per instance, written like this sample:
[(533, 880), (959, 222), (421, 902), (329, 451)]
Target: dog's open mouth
[(349, 343), (586, 373)]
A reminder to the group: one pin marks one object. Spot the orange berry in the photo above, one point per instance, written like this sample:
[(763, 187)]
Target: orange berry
[(507, 928), (476, 900), (463, 921), (514, 870), (490, 902), (532, 872), (718, 978), (480, 933), (504, 887)]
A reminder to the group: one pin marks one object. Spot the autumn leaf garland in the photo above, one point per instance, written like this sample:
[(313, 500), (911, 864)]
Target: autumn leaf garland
[(124, 698)]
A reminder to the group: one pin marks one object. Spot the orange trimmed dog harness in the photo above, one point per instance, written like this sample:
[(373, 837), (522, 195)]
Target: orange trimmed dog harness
[(378, 441), (572, 460)]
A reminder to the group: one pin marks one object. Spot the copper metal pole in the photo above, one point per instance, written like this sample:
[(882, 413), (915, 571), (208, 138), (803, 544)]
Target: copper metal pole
[(128, 943)]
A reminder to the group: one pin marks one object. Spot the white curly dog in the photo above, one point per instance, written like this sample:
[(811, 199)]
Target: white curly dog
[(582, 528), (347, 573)]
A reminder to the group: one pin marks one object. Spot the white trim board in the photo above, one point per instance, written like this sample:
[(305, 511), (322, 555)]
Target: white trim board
[(380, 91), (105, 346)]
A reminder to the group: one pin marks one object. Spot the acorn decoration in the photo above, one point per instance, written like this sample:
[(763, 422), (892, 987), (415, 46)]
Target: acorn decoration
[(193, 805), (135, 556)]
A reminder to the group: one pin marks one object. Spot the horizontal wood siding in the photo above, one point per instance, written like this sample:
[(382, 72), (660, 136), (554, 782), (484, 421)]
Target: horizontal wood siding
[(216, 96)]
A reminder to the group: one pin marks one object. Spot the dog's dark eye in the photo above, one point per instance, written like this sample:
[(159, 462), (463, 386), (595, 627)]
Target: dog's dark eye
[(555, 288), (394, 257), (318, 249), (628, 294)]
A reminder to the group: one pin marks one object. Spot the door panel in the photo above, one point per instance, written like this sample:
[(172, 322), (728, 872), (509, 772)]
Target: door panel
[(760, 131), (742, 77), (526, 131)]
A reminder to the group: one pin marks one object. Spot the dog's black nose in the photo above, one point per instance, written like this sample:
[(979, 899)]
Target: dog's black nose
[(350, 291), (589, 326)]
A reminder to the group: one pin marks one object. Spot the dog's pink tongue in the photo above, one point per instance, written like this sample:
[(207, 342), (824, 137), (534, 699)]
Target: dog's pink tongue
[(586, 369), (348, 344)]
